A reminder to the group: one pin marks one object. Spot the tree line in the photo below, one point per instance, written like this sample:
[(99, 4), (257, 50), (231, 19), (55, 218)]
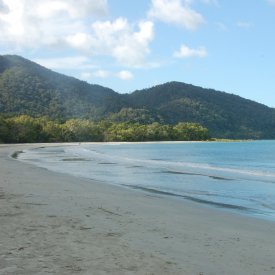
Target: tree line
[(27, 129)]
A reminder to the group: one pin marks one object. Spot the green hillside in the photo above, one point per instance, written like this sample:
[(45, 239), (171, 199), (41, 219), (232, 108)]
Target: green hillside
[(226, 115), (28, 88)]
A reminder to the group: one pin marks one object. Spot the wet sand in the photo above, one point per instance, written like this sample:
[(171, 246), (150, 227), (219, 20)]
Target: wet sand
[(54, 223)]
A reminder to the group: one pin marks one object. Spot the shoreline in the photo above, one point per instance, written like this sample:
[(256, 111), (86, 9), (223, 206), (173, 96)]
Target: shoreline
[(238, 209), (57, 223)]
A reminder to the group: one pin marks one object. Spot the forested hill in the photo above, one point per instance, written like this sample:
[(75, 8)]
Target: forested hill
[(226, 115), (28, 88)]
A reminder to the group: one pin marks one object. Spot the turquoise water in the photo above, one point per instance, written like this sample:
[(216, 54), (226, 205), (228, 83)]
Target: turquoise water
[(237, 176)]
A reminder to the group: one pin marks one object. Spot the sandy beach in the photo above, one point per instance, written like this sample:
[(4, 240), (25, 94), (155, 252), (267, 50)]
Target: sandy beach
[(53, 223)]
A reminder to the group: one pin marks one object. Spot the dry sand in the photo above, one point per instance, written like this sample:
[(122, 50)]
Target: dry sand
[(53, 223)]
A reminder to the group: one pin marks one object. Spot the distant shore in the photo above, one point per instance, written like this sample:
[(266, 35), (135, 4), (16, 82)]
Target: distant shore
[(58, 224)]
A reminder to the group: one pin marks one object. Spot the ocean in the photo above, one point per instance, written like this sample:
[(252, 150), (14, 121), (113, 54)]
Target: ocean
[(233, 176)]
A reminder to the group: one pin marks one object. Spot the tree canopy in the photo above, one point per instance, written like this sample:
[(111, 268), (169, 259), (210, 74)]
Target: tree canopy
[(21, 129)]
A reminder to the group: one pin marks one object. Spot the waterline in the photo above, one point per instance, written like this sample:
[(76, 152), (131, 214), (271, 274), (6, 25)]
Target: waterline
[(236, 176)]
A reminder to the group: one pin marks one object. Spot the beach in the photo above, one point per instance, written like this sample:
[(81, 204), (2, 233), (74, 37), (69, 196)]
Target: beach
[(54, 223)]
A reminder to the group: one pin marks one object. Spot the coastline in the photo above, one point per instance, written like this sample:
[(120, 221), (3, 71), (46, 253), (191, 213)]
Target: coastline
[(56, 223)]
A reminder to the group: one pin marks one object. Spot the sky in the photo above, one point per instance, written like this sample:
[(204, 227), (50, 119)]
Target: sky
[(128, 45)]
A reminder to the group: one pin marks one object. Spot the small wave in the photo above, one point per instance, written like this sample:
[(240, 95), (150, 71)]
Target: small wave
[(107, 163), (198, 200), (74, 159), (195, 174)]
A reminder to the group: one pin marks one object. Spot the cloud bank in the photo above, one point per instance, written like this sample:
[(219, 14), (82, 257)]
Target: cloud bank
[(118, 39), (32, 23), (76, 25)]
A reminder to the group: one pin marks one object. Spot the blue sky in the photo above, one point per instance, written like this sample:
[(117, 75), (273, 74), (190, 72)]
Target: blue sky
[(128, 45)]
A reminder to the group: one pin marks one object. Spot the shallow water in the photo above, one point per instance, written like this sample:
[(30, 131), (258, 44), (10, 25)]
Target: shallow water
[(239, 176)]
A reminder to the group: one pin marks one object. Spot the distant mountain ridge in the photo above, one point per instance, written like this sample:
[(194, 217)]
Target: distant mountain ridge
[(28, 88)]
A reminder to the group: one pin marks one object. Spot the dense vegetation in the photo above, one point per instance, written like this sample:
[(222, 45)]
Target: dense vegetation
[(225, 115), (21, 129), (30, 89)]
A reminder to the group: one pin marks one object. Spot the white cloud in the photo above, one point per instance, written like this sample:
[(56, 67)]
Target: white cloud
[(80, 40), (176, 12), (117, 39), (244, 25), (32, 23), (86, 76), (125, 75), (79, 62), (186, 52), (95, 74), (101, 74), (83, 8), (66, 24)]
